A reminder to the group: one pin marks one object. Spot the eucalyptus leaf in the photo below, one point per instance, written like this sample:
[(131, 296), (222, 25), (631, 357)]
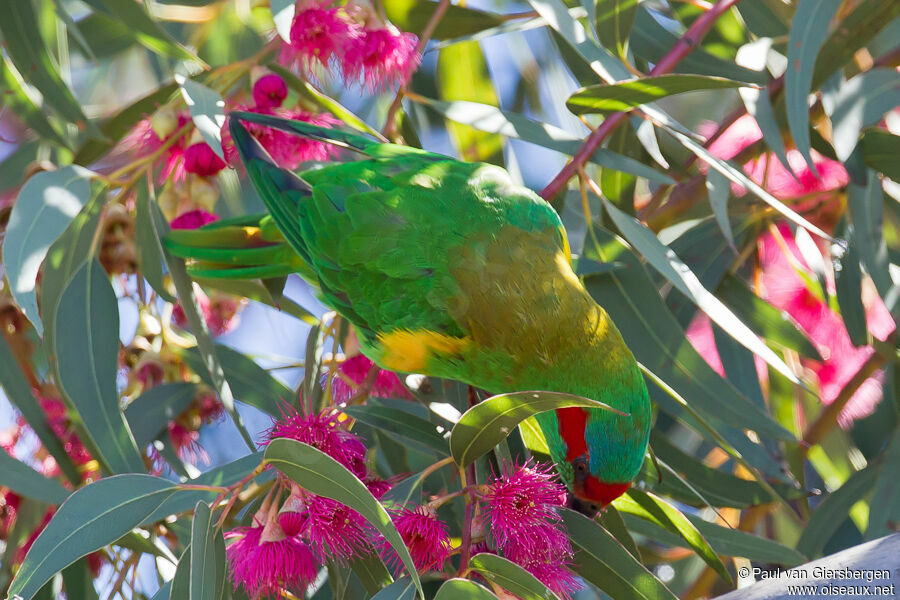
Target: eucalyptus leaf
[(149, 413), (401, 423), (862, 101), (45, 206), (320, 474), (87, 359), (463, 588), (510, 577), (489, 422), (25, 481), (631, 94), (88, 520), (207, 110), (206, 574), (881, 151)]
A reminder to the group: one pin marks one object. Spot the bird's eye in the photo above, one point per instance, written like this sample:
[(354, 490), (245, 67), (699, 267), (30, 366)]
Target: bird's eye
[(581, 467)]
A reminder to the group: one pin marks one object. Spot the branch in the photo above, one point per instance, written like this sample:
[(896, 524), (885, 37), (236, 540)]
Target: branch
[(685, 46)]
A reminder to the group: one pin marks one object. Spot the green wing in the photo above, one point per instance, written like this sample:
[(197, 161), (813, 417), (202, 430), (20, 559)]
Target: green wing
[(380, 234)]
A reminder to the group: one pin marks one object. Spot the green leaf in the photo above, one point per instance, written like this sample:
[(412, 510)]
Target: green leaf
[(283, 15), (181, 583), (207, 576), (185, 290), (250, 383), (720, 488), (27, 482), (46, 205), (719, 189), (881, 151), (809, 30), (401, 423), (78, 581), (87, 359), (371, 572), (884, 507), (455, 588), (322, 475), (413, 15), (20, 100), (848, 286), (148, 32), (660, 344), (637, 92), (759, 105), (618, 186), (115, 128), (855, 31), (834, 509), (606, 563), (860, 102), (658, 511), (661, 258), (149, 413), (402, 589), (104, 36), (66, 255), (164, 592), (511, 577), (866, 206), (612, 21), (489, 422), (18, 391), (729, 542), (512, 125), (24, 44), (775, 325), (91, 518), (149, 248), (207, 110)]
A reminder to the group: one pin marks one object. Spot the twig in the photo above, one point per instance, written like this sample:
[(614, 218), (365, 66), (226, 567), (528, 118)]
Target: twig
[(685, 46), (390, 122)]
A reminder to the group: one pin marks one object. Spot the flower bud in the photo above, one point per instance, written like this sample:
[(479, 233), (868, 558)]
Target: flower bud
[(269, 91), (164, 122), (200, 159), (203, 195), (290, 516)]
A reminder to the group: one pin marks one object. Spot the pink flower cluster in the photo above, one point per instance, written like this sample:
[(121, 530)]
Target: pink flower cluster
[(352, 38), (783, 286), (521, 510), (308, 530), (354, 371)]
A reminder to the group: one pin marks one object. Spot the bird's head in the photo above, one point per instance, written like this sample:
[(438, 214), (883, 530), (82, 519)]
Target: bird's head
[(595, 465), (589, 494)]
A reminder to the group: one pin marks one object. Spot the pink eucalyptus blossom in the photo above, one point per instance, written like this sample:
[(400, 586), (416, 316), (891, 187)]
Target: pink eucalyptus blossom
[(317, 33), (334, 530), (381, 58), (354, 371), (556, 576), (145, 141), (269, 91), (265, 560), (425, 536), (193, 219), (286, 149), (324, 432), (200, 159)]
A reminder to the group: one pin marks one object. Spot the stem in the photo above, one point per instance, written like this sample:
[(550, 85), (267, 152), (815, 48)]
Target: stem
[(390, 123), (466, 541), (685, 46)]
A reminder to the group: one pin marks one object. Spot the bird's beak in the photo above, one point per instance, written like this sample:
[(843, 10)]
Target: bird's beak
[(588, 509)]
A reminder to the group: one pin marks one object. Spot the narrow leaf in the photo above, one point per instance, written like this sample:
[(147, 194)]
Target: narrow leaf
[(27, 482), (881, 151), (637, 92), (283, 15), (612, 21), (661, 258), (149, 413), (205, 573), (866, 206), (848, 286), (46, 205), (402, 589), (860, 102), (401, 423), (87, 359), (809, 29), (463, 588), (606, 563), (719, 189), (511, 577), (322, 475), (207, 109), (660, 512), (489, 422), (413, 15), (148, 32), (88, 520)]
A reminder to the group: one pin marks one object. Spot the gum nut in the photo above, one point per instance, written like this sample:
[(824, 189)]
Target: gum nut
[(168, 201), (204, 193), (164, 122)]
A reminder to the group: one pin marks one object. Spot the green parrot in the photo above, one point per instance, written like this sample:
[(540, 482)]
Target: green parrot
[(449, 269)]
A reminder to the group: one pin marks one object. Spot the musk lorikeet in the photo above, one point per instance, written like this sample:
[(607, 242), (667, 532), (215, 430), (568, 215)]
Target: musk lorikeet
[(449, 269)]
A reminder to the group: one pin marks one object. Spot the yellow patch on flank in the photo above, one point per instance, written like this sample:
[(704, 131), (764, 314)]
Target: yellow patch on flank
[(409, 351), (566, 248)]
